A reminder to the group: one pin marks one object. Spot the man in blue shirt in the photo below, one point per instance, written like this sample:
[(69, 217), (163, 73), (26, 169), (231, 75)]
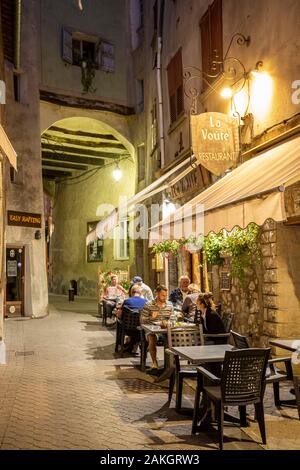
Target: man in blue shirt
[(135, 302)]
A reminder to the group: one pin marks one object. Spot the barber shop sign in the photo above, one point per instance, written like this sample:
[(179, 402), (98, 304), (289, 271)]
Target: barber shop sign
[(215, 141)]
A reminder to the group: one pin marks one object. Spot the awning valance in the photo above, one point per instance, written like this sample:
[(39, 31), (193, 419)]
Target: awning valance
[(253, 192), (7, 148), (105, 226)]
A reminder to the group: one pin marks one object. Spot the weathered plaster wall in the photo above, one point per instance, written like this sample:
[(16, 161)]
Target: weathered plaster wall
[(106, 19), (22, 126), (75, 206)]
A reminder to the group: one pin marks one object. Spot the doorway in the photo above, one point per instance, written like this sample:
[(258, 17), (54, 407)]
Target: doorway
[(15, 270)]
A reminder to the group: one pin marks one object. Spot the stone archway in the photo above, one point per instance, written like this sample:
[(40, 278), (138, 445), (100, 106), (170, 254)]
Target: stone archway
[(78, 156)]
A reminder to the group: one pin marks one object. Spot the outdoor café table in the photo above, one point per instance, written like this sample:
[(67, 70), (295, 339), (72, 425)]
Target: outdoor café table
[(212, 354), (292, 345), (156, 329)]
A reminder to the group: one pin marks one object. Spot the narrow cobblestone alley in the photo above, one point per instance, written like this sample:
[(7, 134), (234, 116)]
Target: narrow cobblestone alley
[(64, 388)]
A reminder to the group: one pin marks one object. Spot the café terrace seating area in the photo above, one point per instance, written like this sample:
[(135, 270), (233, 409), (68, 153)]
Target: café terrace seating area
[(214, 380)]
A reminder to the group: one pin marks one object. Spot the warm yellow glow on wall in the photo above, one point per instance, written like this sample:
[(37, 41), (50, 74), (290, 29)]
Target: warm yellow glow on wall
[(261, 94), (226, 93), (240, 102)]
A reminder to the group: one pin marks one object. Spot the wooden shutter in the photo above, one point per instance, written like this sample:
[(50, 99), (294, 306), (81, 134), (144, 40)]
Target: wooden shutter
[(8, 29), (107, 57), (67, 53), (211, 40), (216, 32), (205, 47), (179, 83), (175, 83)]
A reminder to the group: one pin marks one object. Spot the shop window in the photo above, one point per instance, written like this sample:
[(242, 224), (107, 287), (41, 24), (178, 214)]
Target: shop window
[(121, 240), (211, 41), (175, 83)]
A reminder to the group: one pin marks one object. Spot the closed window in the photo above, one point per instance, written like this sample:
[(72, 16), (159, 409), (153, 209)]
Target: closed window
[(175, 83), (211, 42), (121, 240)]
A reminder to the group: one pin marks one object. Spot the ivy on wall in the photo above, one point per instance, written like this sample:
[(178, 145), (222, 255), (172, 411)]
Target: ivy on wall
[(241, 245)]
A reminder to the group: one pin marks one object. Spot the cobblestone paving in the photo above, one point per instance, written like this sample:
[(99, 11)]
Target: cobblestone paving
[(64, 388)]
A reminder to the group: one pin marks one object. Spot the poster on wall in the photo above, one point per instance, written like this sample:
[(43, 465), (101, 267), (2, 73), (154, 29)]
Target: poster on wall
[(94, 249)]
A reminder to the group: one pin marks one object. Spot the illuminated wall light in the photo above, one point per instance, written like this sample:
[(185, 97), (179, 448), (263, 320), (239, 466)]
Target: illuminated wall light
[(240, 102), (168, 208), (117, 173), (261, 94), (226, 93)]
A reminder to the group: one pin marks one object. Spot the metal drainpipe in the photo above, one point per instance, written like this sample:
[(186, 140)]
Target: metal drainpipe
[(18, 13), (159, 85)]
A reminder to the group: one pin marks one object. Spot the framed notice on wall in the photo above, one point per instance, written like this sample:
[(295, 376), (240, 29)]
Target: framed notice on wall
[(94, 249), (225, 281)]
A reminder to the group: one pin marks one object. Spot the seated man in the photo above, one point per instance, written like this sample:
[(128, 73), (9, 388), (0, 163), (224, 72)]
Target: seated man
[(179, 294), (146, 290), (135, 302), (159, 310)]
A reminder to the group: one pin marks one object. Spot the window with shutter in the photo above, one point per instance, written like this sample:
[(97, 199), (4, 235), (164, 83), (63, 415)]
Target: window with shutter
[(211, 41), (8, 28), (175, 84)]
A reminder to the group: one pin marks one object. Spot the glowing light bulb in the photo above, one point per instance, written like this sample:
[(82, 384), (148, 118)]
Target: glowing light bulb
[(226, 93), (117, 174)]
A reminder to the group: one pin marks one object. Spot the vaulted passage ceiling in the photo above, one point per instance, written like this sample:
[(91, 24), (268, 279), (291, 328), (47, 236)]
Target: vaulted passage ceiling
[(78, 144)]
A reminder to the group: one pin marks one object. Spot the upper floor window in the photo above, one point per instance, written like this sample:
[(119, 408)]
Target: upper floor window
[(211, 41), (175, 83), (121, 240), (79, 48)]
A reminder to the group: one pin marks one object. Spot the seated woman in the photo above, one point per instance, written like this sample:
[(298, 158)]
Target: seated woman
[(210, 320), (112, 294), (189, 305)]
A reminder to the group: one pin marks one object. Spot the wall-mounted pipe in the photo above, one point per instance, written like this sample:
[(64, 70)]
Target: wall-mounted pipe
[(159, 83), (18, 15)]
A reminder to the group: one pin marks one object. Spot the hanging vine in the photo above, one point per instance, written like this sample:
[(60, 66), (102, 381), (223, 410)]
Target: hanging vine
[(241, 245)]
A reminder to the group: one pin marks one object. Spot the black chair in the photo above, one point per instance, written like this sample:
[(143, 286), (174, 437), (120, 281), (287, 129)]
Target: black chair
[(227, 319), (180, 337), (127, 325), (273, 375), (242, 383)]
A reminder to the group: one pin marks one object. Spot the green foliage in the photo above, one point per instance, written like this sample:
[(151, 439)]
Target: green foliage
[(242, 245), (167, 247), (87, 76), (213, 246), (244, 248)]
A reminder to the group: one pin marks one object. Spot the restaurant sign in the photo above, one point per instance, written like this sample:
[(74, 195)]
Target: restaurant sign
[(215, 141), (24, 219)]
